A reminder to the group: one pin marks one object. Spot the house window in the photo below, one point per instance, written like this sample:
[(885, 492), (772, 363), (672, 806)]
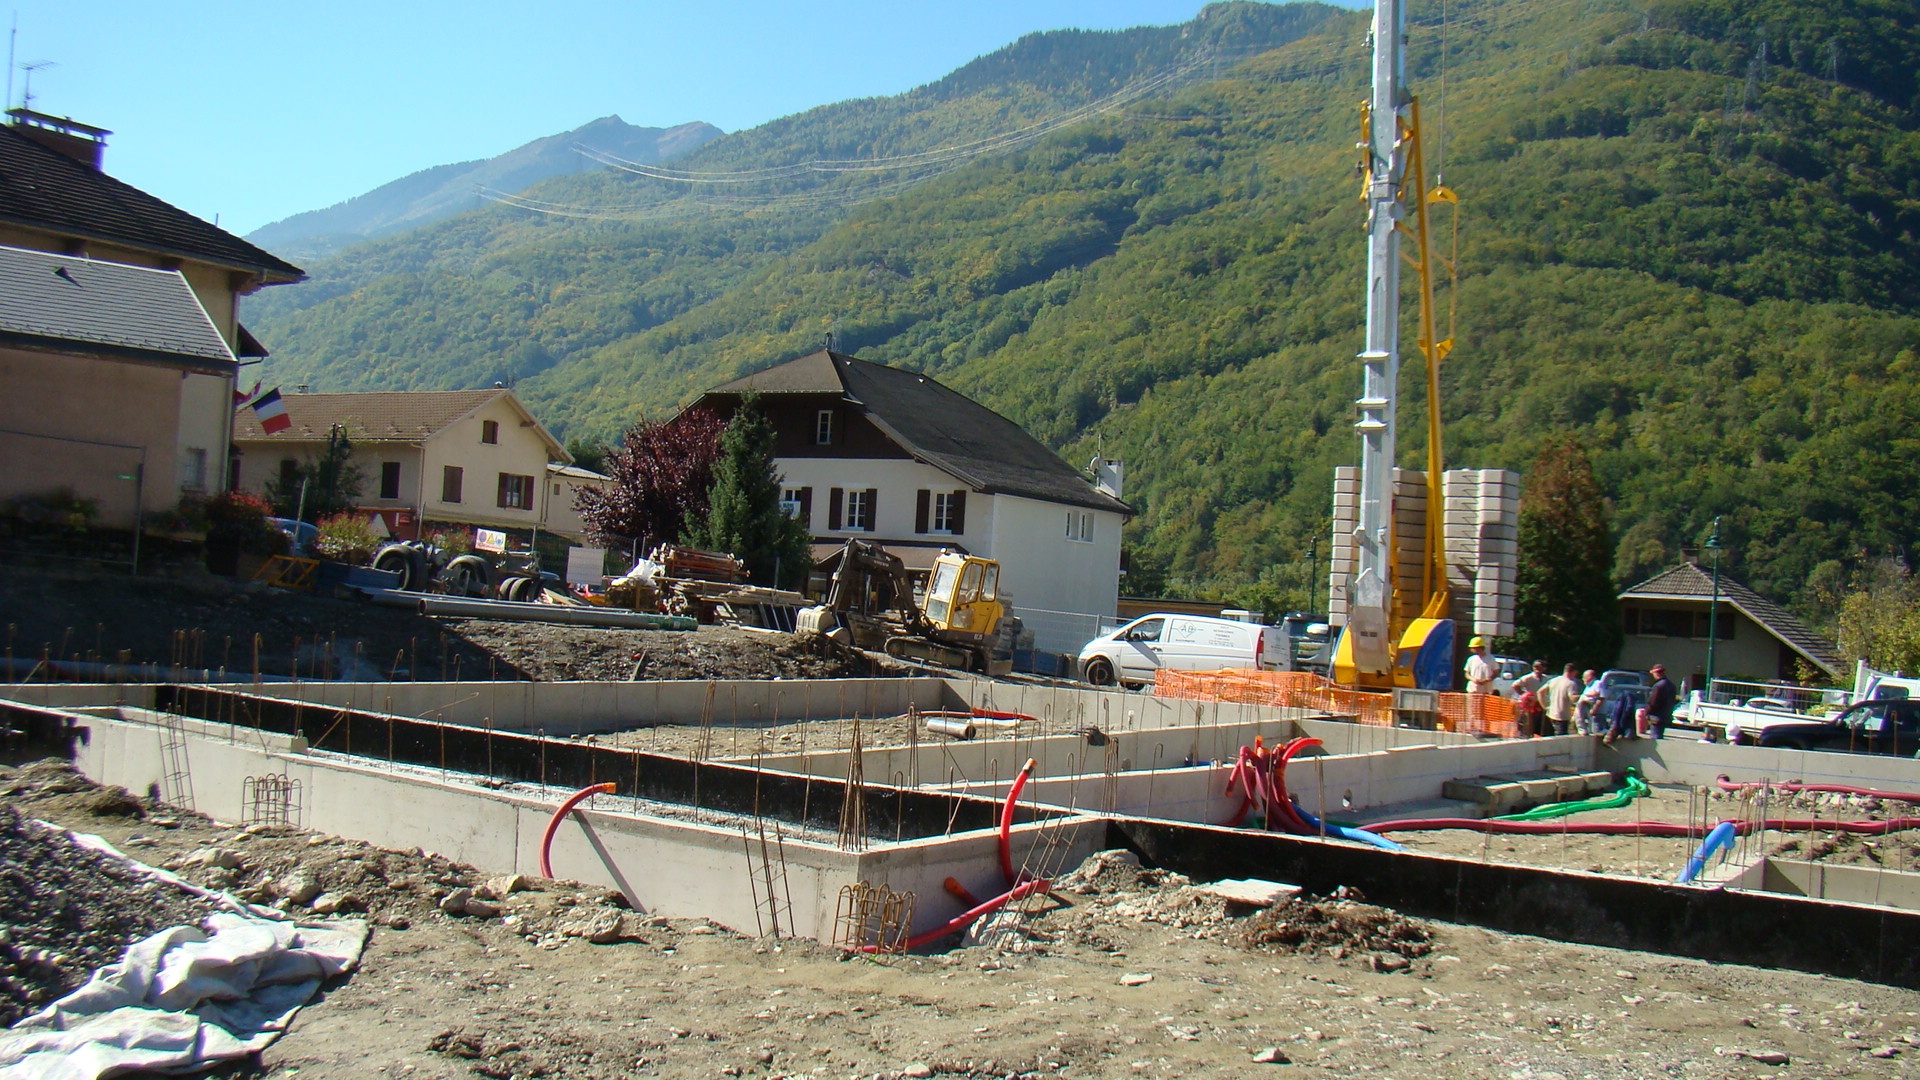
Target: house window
[(797, 503), (859, 516), (193, 469), (516, 492), (1080, 526), (289, 475), (940, 512), (823, 428), (1704, 626), (450, 484), (389, 479), (490, 432)]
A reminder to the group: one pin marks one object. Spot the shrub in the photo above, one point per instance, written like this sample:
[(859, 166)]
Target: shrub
[(346, 538), (454, 542), (239, 519)]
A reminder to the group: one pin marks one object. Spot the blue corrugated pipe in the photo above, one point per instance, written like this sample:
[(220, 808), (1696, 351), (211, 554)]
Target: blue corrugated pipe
[(1721, 836)]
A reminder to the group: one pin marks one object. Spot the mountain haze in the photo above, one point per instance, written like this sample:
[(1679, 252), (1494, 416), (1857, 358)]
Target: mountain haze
[(1687, 236), (444, 190)]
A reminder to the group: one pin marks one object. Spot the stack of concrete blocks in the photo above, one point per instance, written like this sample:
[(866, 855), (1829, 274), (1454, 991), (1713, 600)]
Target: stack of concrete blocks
[(1483, 548), (1481, 533), (1409, 540)]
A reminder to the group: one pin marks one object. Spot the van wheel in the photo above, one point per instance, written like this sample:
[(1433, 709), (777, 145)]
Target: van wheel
[(1100, 671)]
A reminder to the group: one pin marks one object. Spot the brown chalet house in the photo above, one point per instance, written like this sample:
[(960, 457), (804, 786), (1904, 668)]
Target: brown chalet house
[(120, 338), (892, 456)]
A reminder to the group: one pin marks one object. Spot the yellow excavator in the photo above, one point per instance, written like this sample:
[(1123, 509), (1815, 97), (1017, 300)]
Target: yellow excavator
[(961, 622)]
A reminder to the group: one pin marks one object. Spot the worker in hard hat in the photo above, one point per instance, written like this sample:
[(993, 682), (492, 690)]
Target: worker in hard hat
[(1480, 668)]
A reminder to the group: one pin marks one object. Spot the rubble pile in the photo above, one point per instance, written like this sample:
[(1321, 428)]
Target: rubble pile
[(1340, 926), (68, 909)]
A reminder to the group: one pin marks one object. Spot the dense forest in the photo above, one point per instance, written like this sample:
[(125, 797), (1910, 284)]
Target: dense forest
[(1687, 239)]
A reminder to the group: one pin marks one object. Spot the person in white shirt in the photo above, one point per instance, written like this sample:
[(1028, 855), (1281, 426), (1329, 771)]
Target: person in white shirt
[(1588, 709), (1559, 697), (1480, 668)]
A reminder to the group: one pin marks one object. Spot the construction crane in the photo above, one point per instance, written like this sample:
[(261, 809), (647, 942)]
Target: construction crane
[(1378, 648)]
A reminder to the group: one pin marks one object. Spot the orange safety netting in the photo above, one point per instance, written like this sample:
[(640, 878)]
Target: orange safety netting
[(1478, 714)]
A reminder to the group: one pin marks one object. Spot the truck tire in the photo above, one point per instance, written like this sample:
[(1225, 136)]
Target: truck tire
[(1100, 671), (468, 575), (406, 561)]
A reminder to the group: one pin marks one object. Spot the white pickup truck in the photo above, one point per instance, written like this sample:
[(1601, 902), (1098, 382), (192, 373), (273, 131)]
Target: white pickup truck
[(1770, 719)]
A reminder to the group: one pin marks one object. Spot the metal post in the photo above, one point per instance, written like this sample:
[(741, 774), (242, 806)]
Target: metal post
[(1713, 611)]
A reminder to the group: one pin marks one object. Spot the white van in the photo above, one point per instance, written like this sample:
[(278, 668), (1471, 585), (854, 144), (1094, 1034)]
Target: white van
[(1130, 655)]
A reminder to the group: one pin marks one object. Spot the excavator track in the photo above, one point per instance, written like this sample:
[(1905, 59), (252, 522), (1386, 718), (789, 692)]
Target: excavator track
[(932, 652)]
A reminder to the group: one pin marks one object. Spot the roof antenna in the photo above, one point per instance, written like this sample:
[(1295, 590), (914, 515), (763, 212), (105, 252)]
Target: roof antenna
[(26, 85), (13, 45)]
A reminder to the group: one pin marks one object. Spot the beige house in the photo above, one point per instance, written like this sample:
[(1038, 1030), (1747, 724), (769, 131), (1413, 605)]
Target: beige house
[(461, 457), (120, 339), (1667, 622)]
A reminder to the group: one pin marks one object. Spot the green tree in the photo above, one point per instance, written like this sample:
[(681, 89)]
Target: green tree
[(588, 454), (1566, 608), (321, 486), (1880, 617), (744, 515)]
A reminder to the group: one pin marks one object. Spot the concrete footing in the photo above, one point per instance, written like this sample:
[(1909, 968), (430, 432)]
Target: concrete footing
[(474, 771)]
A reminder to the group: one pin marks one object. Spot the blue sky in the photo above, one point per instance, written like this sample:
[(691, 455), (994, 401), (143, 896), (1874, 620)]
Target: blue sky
[(254, 111)]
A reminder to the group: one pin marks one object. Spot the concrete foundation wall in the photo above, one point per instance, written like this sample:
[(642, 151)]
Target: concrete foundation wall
[(673, 867), (1847, 884), (579, 708), (1686, 760)]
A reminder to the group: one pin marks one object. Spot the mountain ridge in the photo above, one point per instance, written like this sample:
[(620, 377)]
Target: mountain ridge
[(440, 191), (1688, 240)]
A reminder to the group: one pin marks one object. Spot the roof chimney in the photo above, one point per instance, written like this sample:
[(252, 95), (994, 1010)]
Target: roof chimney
[(83, 143)]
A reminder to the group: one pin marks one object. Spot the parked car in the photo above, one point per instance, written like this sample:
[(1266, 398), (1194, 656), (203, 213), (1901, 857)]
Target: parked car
[(1130, 655), (1505, 670), (1885, 726)]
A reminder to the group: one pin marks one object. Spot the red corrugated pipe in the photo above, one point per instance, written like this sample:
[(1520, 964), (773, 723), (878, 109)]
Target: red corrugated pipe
[(1006, 824), (1840, 789), (546, 841)]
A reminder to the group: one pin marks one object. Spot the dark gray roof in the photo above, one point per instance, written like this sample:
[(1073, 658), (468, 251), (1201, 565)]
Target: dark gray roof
[(65, 303), (1688, 582), (942, 427), (45, 189)]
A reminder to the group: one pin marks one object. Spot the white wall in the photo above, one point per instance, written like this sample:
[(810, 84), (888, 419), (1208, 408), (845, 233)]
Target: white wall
[(899, 482), (1048, 571)]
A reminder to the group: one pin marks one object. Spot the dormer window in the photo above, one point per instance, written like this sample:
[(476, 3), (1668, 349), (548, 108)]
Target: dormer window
[(823, 428)]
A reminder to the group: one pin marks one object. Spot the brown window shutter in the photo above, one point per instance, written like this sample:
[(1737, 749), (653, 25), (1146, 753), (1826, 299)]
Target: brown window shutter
[(500, 495), (873, 509), (959, 512), (833, 509), (806, 507), (920, 505)]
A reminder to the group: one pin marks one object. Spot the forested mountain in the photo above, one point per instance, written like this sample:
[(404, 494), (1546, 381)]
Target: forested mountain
[(1687, 236), (429, 195)]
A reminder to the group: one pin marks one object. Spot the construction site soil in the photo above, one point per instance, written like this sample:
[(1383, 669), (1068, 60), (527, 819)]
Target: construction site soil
[(1121, 972), (196, 620)]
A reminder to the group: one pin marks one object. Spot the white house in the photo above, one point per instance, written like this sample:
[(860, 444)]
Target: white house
[(892, 456)]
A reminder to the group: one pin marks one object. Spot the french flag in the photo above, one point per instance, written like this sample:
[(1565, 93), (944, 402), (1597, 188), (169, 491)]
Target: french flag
[(272, 412)]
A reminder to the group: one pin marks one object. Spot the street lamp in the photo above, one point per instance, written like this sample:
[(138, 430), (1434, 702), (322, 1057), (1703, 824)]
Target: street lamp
[(1713, 610), (1313, 574)]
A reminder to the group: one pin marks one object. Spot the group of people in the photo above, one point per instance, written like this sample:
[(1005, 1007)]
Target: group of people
[(1576, 703)]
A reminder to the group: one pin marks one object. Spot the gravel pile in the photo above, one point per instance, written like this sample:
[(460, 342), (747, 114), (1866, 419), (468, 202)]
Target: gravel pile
[(69, 910)]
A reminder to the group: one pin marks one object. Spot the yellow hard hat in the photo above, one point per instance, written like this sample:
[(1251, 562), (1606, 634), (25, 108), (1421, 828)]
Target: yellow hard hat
[(1477, 643)]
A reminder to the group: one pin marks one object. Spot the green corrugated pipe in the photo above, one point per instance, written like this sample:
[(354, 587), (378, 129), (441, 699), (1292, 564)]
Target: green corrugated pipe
[(1632, 789)]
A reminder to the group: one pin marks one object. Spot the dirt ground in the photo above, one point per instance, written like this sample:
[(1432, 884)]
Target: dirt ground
[(1121, 973), (194, 619)]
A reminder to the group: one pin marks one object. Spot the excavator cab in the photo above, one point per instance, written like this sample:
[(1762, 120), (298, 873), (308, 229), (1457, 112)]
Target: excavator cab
[(963, 595)]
